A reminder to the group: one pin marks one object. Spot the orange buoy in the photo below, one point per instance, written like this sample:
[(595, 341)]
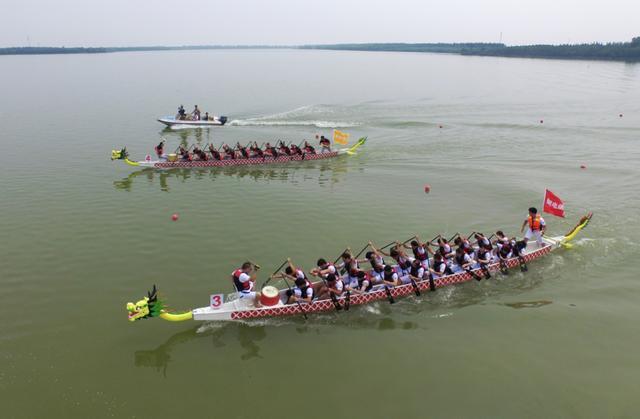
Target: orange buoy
[(427, 188), (174, 217), (269, 296)]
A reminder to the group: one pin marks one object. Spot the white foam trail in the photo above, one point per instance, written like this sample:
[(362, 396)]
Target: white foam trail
[(317, 124)]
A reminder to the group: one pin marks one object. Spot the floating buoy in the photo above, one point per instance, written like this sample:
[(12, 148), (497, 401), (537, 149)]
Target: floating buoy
[(620, 115), (440, 126), (174, 217), (542, 121), (427, 188), (582, 166)]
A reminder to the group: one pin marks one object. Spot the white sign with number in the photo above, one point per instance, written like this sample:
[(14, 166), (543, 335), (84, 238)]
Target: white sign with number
[(216, 301)]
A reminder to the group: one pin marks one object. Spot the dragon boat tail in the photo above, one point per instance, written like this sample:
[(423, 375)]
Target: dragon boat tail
[(242, 309), (173, 162)]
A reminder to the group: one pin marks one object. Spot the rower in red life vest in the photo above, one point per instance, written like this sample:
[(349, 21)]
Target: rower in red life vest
[(363, 283), (323, 269), (390, 277), (348, 265), (302, 292), (229, 154), (255, 150), (535, 226), (308, 148), (481, 240), (241, 151), (283, 149), (295, 150), (199, 154), (416, 271), (244, 280), (501, 240), (215, 154), (333, 285), (463, 260), (270, 151), (184, 154), (439, 268), (420, 251)]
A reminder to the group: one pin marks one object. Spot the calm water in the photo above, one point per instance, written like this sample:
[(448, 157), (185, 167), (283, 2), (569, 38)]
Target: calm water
[(82, 235)]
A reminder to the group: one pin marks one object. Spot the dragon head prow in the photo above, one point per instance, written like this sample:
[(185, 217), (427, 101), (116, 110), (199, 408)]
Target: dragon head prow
[(584, 221), (149, 306), (152, 306), (121, 154)]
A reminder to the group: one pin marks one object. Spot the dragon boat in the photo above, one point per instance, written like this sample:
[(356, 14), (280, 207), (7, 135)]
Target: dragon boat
[(213, 121), (173, 162), (243, 309)]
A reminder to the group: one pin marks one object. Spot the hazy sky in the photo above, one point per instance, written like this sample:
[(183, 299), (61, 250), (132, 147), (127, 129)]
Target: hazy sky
[(188, 22)]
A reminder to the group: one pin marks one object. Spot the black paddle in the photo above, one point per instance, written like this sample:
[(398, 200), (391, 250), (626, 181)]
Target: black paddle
[(347, 300), (387, 290), (473, 274), (416, 290), (271, 276)]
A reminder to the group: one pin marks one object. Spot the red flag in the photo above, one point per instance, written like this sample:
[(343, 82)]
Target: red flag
[(553, 204)]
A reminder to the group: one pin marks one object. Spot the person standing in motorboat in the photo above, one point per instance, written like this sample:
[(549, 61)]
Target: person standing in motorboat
[(195, 113), (182, 114)]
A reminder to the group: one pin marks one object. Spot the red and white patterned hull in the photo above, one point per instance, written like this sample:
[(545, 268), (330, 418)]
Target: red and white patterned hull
[(239, 310), (254, 161)]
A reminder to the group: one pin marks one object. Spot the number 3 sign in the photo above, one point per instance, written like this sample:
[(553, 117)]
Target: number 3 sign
[(217, 300)]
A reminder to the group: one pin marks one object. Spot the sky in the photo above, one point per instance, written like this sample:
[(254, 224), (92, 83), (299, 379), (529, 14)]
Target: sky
[(290, 22)]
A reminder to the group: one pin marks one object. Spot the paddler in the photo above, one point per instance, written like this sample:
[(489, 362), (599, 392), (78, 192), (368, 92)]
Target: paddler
[(184, 153), (215, 154), (243, 152), (463, 260), (535, 226), (332, 284), (256, 151), (416, 271), (323, 269), (295, 150), (363, 283), (390, 277), (439, 268), (308, 148), (420, 251), (283, 149), (244, 280), (302, 292), (201, 155), (270, 150)]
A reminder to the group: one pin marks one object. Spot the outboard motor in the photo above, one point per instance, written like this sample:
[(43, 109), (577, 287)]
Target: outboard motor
[(222, 119)]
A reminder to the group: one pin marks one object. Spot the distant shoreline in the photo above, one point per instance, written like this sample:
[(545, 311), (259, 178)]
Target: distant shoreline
[(619, 51)]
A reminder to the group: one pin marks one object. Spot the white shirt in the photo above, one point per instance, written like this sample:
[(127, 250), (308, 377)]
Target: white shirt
[(243, 277)]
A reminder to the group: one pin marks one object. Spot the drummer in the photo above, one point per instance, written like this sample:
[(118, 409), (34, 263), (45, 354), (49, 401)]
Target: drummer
[(244, 280), (160, 151)]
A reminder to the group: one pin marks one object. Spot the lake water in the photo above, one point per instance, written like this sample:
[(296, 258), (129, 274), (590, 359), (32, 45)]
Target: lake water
[(82, 235)]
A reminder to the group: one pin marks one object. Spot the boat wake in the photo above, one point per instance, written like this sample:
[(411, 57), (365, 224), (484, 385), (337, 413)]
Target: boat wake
[(319, 116)]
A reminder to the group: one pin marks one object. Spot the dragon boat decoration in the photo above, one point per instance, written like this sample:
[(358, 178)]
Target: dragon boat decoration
[(174, 161), (274, 303)]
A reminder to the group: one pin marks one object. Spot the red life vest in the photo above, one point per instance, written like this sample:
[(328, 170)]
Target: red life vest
[(535, 223), (240, 286), (420, 253)]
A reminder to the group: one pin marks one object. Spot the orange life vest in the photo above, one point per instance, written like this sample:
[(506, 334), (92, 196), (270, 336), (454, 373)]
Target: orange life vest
[(534, 223)]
